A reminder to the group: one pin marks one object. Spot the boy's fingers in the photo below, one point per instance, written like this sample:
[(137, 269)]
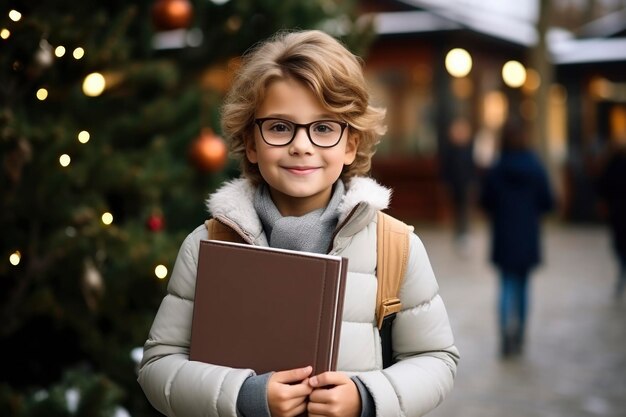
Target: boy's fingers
[(292, 375), (300, 390), (327, 378)]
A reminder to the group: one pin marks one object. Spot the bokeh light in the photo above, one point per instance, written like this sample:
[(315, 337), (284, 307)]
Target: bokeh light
[(78, 53), (83, 136), (15, 16), (160, 271), (513, 74), (65, 160), (94, 84), (458, 62), (107, 218), (15, 258), (42, 94)]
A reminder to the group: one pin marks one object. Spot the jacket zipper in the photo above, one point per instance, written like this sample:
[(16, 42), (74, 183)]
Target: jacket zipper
[(341, 226)]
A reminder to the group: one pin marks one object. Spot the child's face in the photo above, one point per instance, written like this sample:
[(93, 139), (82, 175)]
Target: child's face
[(300, 175)]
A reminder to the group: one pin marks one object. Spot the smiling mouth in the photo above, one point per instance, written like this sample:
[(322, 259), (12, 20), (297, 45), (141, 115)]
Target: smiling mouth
[(301, 170)]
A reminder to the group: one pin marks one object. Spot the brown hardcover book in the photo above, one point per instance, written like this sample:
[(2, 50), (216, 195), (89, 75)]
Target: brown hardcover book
[(267, 309)]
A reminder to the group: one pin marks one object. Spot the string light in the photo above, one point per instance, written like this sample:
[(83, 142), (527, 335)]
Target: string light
[(94, 84), (59, 51), (42, 94), (83, 136), (458, 62), (78, 53), (15, 16), (513, 74), (160, 271), (5, 33), (65, 160), (15, 258), (107, 218)]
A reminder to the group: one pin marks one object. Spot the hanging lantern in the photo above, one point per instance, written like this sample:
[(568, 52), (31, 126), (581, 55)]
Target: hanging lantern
[(208, 152), (172, 14)]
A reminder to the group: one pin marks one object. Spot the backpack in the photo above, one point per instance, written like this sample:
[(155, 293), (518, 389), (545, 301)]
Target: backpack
[(392, 248)]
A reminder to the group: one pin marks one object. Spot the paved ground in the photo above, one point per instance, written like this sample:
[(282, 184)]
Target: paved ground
[(575, 359)]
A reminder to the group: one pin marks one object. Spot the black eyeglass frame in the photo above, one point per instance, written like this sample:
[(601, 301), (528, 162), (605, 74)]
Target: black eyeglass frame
[(306, 126)]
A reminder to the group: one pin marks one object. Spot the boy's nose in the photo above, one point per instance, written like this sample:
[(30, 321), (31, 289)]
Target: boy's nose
[(301, 141)]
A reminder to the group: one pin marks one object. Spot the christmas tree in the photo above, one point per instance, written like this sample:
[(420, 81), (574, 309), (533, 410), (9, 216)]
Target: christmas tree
[(109, 140)]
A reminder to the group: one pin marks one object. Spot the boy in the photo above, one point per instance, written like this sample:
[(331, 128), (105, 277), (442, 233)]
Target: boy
[(298, 116)]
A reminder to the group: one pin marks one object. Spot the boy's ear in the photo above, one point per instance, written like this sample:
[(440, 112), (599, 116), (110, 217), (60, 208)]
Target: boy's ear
[(351, 147), (251, 150)]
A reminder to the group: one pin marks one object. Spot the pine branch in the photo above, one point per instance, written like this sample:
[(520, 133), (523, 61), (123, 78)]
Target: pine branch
[(35, 270)]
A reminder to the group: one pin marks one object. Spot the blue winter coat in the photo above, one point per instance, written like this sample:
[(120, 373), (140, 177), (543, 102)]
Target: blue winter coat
[(515, 193)]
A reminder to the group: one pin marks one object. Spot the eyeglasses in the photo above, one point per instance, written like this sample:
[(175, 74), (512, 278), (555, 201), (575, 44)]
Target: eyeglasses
[(280, 132)]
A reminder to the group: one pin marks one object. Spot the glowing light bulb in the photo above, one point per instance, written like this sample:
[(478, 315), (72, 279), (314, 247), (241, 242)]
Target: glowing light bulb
[(458, 62), (78, 53), (15, 16), (160, 271), (42, 94), (83, 136), (94, 84), (5, 33), (107, 218), (15, 258), (514, 74), (59, 51), (65, 160)]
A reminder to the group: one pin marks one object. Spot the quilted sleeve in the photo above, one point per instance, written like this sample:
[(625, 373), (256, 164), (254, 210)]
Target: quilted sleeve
[(174, 385)]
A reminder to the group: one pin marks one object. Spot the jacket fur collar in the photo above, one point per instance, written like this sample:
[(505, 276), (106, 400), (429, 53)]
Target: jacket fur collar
[(234, 201)]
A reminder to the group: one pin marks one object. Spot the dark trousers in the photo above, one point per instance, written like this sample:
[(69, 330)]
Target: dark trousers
[(513, 310)]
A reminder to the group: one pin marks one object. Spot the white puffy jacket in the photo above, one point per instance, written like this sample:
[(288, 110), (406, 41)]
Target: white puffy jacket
[(422, 342)]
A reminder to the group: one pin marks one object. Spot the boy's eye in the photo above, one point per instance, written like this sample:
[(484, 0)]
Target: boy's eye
[(324, 127), (280, 127)]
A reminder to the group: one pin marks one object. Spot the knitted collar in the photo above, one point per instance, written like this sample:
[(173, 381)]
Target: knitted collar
[(310, 232)]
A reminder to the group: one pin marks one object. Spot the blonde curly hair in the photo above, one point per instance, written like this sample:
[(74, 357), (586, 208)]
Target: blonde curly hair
[(322, 63)]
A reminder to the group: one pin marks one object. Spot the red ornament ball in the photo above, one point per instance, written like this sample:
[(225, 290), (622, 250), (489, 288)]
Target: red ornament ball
[(155, 222), (208, 152), (172, 14)]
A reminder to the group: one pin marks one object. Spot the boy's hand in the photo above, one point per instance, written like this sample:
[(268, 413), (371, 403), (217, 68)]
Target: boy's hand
[(287, 392), (334, 395)]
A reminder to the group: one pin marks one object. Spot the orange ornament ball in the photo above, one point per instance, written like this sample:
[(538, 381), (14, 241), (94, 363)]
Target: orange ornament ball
[(172, 14), (208, 152)]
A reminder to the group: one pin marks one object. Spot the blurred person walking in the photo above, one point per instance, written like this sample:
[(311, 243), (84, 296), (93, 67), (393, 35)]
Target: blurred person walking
[(515, 193), (459, 175), (612, 189)]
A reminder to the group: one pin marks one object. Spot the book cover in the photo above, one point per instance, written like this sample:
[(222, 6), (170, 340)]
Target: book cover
[(267, 309)]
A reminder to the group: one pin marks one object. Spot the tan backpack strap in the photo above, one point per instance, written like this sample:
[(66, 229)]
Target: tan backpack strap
[(219, 231), (392, 257)]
